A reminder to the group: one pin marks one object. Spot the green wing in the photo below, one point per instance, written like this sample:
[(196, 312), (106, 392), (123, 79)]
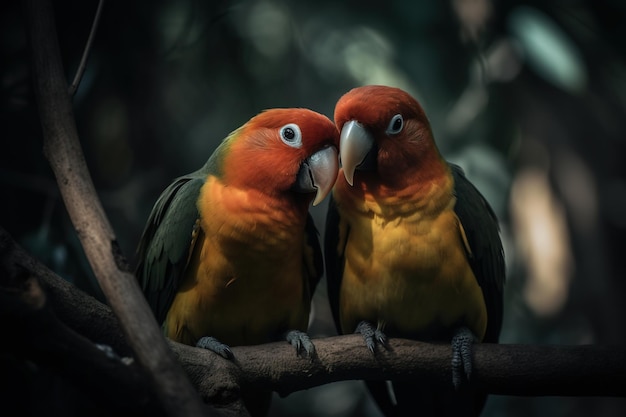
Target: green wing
[(313, 260), (334, 256), (167, 240), (487, 258)]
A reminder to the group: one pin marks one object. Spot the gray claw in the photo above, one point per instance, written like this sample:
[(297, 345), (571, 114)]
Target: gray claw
[(214, 345), (381, 337)]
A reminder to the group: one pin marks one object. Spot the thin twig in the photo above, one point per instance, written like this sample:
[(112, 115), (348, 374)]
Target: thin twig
[(83, 61)]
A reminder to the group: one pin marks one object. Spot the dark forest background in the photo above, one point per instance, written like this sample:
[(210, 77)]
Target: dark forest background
[(528, 97)]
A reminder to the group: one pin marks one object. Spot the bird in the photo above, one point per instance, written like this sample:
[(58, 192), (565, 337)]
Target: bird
[(412, 248), (230, 255)]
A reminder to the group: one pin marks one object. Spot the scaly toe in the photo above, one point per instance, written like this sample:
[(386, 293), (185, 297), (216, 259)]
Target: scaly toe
[(462, 349), (214, 345), (371, 335), (301, 342)]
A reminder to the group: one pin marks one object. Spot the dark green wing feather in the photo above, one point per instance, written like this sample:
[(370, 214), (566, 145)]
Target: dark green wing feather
[(165, 245), (313, 259), (487, 258), (334, 257)]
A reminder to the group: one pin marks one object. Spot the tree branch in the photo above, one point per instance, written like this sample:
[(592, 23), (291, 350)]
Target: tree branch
[(63, 150), (520, 370)]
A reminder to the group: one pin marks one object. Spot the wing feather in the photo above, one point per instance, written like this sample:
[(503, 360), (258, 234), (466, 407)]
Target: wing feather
[(334, 257), (486, 254), (313, 260), (166, 241)]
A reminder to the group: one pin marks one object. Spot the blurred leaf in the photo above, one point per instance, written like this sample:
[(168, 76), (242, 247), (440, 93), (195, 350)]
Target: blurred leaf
[(549, 50)]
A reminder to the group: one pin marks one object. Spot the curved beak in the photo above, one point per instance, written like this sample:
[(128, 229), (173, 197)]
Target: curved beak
[(356, 145), (318, 173)]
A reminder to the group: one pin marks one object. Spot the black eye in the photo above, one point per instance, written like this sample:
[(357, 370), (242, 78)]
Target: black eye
[(395, 125), (290, 134)]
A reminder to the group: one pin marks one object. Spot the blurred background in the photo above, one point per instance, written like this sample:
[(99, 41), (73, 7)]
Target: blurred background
[(529, 97)]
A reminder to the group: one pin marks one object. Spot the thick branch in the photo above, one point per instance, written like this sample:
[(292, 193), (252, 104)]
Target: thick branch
[(522, 370), (63, 150)]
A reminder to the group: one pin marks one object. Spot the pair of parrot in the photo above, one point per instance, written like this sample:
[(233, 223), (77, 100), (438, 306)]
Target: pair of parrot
[(230, 255)]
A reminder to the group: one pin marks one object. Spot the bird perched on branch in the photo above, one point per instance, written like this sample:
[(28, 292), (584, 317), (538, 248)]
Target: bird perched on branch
[(412, 248), (230, 255)]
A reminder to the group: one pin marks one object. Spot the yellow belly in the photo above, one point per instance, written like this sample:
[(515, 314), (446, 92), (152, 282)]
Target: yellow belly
[(239, 303), (410, 276)]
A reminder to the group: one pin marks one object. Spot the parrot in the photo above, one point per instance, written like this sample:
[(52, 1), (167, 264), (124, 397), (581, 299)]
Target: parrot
[(230, 254), (412, 248)]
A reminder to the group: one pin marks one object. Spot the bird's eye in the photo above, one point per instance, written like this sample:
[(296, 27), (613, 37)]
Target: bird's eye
[(395, 125), (290, 134)]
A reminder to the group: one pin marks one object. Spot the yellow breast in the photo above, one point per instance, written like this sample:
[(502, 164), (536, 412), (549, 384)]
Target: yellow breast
[(244, 283)]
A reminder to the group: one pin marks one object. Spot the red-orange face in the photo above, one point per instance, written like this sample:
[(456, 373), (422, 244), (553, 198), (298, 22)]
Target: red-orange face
[(285, 150), (383, 130)]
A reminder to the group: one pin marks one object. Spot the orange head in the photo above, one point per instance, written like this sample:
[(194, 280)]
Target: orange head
[(282, 151), (386, 135)]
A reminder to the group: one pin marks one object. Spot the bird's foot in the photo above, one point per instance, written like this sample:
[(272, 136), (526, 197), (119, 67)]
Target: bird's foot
[(462, 349), (216, 346), (371, 335), (301, 342)]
